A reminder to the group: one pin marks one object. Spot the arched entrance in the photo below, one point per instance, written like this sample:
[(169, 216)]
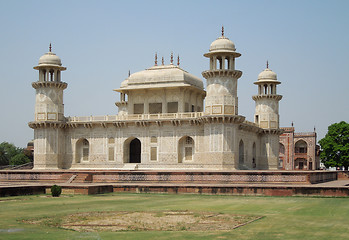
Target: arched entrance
[(135, 151)]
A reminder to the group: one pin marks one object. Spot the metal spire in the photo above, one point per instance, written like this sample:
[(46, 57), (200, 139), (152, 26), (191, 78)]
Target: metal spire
[(156, 59), (50, 48), (267, 64), (171, 57), (129, 73), (178, 60), (162, 60), (222, 31)]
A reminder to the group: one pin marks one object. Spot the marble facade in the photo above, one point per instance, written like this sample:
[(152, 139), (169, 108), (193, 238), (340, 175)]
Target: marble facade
[(162, 122)]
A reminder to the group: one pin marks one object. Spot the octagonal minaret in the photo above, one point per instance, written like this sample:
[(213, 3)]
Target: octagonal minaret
[(267, 100), (49, 121), (49, 88), (221, 98)]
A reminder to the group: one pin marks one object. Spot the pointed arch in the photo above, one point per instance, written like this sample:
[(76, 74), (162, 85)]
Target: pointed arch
[(254, 155), (186, 148), (301, 147), (82, 150), (281, 149), (241, 152), (132, 150)]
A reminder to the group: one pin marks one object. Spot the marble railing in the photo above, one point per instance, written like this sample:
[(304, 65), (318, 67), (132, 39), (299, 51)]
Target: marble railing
[(251, 123), (107, 118)]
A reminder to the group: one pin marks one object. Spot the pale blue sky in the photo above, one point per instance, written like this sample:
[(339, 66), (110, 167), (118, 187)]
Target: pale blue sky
[(306, 43)]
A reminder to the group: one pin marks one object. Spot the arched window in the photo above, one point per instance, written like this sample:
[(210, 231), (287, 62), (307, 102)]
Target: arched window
[(185, 149), (44, 75), (301, 147), (51, 75), (220, 64), (254, 155), (82, 150), (265, 89), (281, 149), (241, 152)]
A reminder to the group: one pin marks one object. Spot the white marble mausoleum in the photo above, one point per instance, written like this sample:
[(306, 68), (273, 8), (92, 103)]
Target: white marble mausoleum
[(166, 120)]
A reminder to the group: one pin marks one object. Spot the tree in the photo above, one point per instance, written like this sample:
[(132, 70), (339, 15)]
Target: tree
[(335, 146), (3, 157), (19, 159), (7, 152)]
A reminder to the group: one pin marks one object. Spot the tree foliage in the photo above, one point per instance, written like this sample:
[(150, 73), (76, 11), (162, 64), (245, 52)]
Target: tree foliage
[(9, 152), (335, 146), (19, 159)]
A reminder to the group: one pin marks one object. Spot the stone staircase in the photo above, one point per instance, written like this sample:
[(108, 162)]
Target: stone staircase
[(81, 178), (130, 166)]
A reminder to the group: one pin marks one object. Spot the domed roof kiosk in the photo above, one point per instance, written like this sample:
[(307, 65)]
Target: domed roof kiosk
[(267, 81), (50, 67), (161, 89)]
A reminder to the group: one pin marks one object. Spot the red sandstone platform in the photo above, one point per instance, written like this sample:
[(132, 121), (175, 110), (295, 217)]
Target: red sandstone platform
[(269, 183)]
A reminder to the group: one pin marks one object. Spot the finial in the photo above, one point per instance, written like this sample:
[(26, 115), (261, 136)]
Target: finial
[(178, 60), (222, 31), (292, 124), (314, 129), (162, 60), (50, 48), (129, 73), (267, 64), (171, 57), (156, 59)]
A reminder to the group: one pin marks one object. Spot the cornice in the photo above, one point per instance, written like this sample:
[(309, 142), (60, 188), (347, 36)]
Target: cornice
[(59, 85), (223, 118), (122, 103), (267, 96), (46, 124), (222, 73)]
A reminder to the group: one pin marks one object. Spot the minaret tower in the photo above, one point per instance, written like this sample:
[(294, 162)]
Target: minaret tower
[(267, 100), (267, 117), (49, 113), (221, 98)]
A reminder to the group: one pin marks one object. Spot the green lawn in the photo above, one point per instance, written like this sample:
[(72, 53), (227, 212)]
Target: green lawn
[(285, 217)]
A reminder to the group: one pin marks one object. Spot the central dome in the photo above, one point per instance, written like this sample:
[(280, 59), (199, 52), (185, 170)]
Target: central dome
[(222, 44)]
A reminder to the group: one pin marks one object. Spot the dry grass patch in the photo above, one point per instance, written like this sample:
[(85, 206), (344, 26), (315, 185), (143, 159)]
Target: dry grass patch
[(147, 221)]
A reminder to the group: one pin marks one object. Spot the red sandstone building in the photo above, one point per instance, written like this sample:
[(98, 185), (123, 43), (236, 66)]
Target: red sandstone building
[(298, 151)]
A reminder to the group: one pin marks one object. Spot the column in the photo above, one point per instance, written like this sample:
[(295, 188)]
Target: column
[(55, 75), (146, 103), (231, 63), (181, 101), (164, 102), (41, 75)]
